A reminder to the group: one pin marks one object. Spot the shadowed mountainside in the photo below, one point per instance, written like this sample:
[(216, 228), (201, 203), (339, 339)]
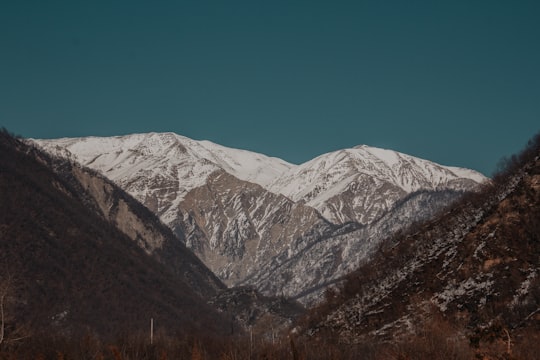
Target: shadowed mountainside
[(68, 267)]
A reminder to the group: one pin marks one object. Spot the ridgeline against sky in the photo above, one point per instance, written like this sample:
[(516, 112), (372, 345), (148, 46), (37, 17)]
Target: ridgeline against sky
[(456, 82)]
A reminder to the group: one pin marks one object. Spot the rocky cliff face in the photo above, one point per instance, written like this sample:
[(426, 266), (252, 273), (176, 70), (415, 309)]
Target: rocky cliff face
[(256, 220), (142, 226), (236, 226)]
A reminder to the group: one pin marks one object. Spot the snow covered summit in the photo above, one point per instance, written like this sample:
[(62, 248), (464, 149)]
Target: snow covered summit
[(359, 184)]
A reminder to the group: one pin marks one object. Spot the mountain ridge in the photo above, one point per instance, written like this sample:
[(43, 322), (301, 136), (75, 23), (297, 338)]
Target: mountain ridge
[(229, 158)]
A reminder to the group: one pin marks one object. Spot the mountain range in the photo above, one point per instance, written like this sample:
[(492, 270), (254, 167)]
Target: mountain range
[(261, 221)]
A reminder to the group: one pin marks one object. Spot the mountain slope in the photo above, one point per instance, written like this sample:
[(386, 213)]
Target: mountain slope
[(244, 213), (332, 252), (236, 227), (139, 224), (70, 271), (472, 271)]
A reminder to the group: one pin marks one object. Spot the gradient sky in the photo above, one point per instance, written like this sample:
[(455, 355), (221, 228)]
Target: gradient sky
[(456, 82)]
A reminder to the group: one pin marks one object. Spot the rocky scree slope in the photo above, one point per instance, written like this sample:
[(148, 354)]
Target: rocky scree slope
[(247, 215), (474, 268)]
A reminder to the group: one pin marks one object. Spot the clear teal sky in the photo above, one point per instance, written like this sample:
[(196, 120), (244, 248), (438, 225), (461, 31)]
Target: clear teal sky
[(457, 82)]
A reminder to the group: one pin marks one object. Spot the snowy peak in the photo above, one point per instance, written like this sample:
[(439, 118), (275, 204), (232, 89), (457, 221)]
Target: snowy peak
[(166, 156), (123, 156), (367, 175), (427, 172), (407, 172)]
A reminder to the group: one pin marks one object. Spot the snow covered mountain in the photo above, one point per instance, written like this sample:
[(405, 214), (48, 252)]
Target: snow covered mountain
[(150, 164), (362, 183), (257, 220)]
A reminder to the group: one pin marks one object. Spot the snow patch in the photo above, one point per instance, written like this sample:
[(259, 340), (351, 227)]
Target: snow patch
[(524, 288), (465, 288)]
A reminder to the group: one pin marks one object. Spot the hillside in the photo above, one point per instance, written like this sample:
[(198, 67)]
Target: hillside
[(68, 268), (469, 276)]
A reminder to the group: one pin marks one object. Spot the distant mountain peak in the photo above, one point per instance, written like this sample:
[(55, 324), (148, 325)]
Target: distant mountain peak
[(368, 169)]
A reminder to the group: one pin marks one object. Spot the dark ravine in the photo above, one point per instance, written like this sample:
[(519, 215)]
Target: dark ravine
[(266, 317)]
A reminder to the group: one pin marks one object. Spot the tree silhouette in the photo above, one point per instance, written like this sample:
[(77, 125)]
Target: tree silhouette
[(10, 330)]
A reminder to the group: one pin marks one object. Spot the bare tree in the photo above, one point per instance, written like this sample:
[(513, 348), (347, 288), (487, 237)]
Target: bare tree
[(5, 289), (9, 331)]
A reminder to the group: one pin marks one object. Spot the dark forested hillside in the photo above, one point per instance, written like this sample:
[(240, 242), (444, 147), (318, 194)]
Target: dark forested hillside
[(66, 269)]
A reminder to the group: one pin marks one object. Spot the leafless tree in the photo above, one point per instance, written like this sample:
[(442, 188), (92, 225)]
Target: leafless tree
[(5, 287), (9, 331)]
